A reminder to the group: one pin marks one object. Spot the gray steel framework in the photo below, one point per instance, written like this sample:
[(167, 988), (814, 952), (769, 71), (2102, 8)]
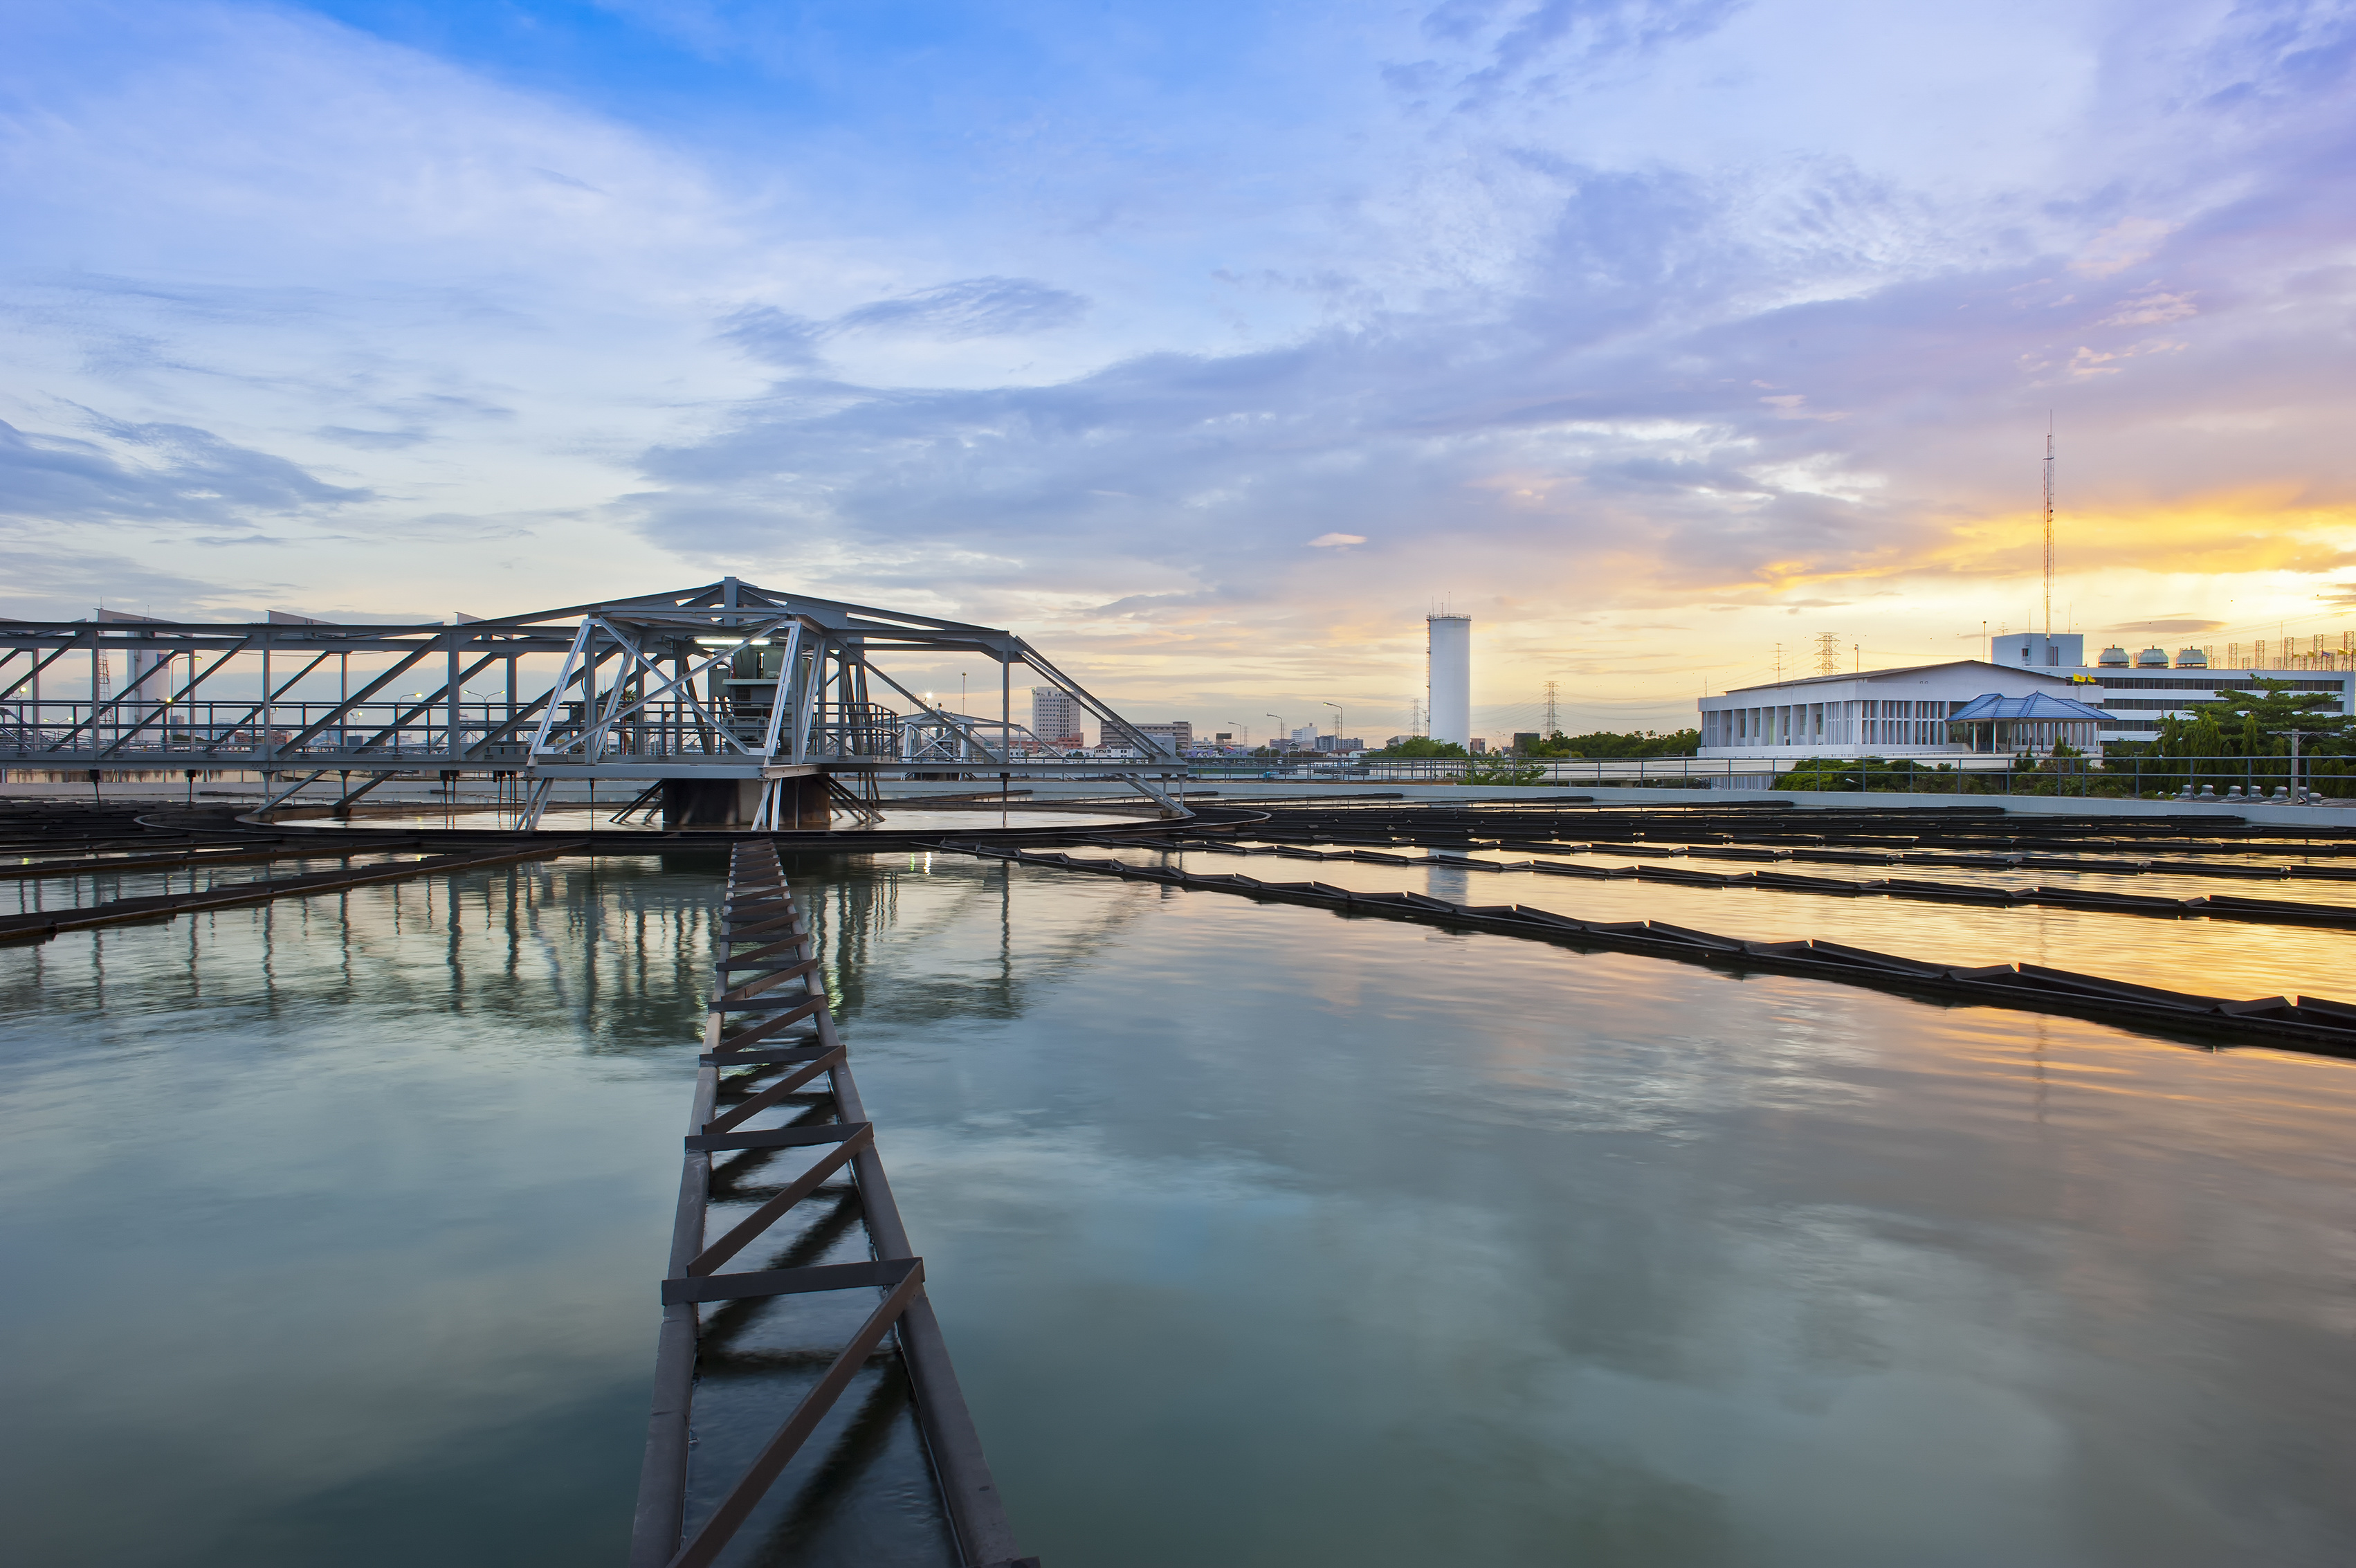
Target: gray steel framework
[(725, 680), (769, 1019)]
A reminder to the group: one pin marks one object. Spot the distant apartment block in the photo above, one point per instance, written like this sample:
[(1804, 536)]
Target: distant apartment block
[(1176, 737), (1055, 718)]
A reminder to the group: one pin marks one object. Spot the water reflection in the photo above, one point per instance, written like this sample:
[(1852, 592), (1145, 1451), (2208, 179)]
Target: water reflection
[(956, 951), (1410, 1246), (2231, 959), (335, 1222), (332, 1220)]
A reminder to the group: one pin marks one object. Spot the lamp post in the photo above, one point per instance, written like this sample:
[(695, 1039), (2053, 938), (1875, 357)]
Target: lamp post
[(1337, 719), (1280, 732), (1244, 730)]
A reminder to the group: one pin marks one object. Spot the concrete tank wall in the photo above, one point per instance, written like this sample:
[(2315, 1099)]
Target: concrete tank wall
[(1449, 670)]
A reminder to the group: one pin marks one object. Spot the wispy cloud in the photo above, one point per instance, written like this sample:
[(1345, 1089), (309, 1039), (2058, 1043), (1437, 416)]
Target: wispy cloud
[(153, 473), (949, 312)]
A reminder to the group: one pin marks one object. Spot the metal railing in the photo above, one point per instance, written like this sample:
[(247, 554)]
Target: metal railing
[(2137, 777), (58, 732)]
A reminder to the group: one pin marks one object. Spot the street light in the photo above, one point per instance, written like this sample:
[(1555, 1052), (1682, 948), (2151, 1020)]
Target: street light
[(1281, 733), (1244, 730), (1337, 719)]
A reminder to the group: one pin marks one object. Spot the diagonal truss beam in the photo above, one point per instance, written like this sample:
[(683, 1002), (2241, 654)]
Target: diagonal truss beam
[(400, 667), (198, 678), (130, 694), (267, 699), (961, 728), (1079, 693), (634, 660), (35, 672), (789, 676), (681, 680)]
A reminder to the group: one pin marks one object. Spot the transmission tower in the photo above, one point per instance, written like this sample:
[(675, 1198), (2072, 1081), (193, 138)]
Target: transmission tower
[(1828, 653), (2049, 526), (1553, 711)]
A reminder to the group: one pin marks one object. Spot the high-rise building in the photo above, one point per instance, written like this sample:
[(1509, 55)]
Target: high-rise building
[(1056, 718), (1449, 670)]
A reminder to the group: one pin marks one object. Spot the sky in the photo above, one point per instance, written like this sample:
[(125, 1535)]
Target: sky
[(1209, 346)]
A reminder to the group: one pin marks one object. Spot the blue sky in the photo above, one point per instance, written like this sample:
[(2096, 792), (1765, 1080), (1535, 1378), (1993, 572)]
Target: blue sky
[(1209, 346)]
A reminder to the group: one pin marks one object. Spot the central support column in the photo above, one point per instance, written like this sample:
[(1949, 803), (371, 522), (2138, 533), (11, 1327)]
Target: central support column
[(803, 802)]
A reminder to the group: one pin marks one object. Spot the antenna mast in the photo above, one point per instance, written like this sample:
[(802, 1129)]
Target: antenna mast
[(2049, 527)]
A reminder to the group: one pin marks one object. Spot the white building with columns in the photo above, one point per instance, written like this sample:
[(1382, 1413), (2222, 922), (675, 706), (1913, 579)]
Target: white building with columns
[(1874, 713)]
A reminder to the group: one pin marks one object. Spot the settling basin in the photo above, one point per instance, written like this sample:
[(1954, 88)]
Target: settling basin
[(1260, 1236)]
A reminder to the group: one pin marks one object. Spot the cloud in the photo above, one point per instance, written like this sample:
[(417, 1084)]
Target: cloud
[(2152, 309), (153, 473), (370, 440), (68, 577), (949, 312), (2121, 246), (775, 336), (1326, 541), (2182, 625), (1606, 302), (1550, 45), (971, 307)]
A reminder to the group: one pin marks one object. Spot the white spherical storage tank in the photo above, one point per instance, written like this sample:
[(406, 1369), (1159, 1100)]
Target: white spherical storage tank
[(1450, 672)]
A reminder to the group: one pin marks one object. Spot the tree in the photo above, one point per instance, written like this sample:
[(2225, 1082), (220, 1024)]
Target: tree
[(2279, 710), (1421, 746), (1607, 742), (1504, 770)]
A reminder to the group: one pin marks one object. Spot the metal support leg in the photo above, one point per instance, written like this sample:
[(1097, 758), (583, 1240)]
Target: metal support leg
[(280, 798)]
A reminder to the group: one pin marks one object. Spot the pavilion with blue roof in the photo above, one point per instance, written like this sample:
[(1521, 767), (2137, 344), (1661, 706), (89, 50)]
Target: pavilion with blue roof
[(2036, 723)]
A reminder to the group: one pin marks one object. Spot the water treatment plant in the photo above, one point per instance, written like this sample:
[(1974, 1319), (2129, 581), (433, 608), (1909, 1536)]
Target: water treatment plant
[(642, 1082)]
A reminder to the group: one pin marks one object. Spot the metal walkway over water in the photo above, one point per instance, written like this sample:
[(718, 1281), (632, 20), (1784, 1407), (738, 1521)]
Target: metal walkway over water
[(771, 1049)]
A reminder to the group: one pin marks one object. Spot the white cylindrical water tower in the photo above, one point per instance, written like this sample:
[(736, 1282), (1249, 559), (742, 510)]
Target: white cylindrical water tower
[(1450, 672)]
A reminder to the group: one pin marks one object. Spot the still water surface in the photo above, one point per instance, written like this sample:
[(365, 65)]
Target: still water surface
[(1260, 1236)]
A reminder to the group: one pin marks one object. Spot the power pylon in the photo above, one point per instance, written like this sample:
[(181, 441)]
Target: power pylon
[(1828, 653)]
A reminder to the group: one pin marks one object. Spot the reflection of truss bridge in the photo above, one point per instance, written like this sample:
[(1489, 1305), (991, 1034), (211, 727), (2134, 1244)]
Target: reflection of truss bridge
[(734, 704)]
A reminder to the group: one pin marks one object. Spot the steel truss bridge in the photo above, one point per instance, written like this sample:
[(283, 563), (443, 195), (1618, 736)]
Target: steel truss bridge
[(739, 705)]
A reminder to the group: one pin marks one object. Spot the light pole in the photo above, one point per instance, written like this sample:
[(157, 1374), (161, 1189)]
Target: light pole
[(1337, 719), (1281, 733), (1244, 730)]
